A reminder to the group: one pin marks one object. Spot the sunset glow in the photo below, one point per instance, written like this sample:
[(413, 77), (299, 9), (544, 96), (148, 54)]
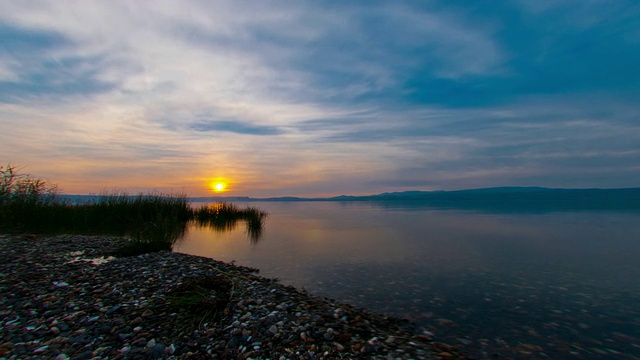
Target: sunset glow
[(218, 185), (401, 95)]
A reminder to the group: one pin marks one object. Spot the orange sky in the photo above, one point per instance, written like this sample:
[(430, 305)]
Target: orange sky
[(306, 99)]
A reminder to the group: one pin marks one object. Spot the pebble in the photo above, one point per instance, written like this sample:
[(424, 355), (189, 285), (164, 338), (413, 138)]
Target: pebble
[(124, 309), (113, 309), (40, 350), (273, 329)]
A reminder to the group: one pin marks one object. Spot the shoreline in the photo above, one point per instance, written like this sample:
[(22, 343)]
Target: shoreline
[(63, 297)]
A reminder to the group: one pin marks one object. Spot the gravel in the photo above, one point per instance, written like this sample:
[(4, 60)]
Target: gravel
[(65, 297)]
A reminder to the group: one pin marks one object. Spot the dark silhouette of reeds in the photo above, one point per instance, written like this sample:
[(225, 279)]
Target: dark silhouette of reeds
[(153, 221), (225, 217)]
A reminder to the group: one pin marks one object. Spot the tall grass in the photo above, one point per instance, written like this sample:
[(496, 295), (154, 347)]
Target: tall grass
[(224, 217), (153, 221)]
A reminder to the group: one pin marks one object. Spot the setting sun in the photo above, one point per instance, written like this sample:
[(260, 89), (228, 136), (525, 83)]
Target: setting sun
[(219, 184), (218, 187)]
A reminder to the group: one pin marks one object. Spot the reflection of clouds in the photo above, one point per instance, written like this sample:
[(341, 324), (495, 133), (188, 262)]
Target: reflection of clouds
[(301, 238), (307, 243)]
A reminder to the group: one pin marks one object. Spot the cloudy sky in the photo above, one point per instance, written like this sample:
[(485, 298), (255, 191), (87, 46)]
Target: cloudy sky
[(321, 97)]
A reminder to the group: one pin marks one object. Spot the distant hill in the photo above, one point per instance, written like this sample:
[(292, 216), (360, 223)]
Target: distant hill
[(532, 198), (496, 198)]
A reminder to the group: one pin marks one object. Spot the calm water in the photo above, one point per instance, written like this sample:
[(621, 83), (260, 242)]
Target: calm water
[(542, 285)]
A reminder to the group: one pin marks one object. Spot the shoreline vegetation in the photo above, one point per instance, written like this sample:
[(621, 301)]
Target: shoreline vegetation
[(154, 222), (99, 280)]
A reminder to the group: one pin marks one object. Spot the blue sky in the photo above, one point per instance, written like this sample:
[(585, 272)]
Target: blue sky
[(321, 98)]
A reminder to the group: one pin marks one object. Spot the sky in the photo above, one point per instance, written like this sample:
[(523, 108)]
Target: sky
[(319, 98)]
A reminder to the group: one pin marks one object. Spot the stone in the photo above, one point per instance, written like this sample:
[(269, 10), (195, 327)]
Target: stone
[(113, 309), (158, 351), (269, 320), (84, 356), (41, 349), (273, 329)]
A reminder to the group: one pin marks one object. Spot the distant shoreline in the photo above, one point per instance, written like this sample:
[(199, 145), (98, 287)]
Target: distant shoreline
[(490, 199)]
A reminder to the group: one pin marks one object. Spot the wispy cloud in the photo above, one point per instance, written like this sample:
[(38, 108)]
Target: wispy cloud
[(304, 98), (236, 127)]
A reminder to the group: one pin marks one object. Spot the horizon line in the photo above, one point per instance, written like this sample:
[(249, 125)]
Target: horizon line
[(352, 196)]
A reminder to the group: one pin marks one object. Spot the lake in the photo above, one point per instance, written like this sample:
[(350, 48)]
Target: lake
[(511, 284)]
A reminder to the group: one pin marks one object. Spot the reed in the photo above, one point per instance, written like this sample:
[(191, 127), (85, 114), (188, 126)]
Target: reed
[(153, 221), (225, 216)]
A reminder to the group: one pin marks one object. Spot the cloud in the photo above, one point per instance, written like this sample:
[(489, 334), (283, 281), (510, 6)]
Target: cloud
[(294, 49), (236, 127), (294, 97)]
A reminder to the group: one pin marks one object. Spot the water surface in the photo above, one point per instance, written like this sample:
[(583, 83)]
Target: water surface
[(540, 285)]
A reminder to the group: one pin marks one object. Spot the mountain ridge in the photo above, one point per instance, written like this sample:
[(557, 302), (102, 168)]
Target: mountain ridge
[(500, 191), (538, 199)]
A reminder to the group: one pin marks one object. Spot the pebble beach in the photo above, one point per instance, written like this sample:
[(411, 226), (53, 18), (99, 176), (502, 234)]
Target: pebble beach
[(66, 297)]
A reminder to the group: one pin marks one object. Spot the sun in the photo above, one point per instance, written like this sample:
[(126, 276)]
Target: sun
[(219, 187), (219, 184)]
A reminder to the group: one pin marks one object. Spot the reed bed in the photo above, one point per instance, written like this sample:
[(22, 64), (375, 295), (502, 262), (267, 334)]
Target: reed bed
[(153, 221), (225, 216)]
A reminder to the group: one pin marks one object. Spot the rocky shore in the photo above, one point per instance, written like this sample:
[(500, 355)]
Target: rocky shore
[(65, 297)]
